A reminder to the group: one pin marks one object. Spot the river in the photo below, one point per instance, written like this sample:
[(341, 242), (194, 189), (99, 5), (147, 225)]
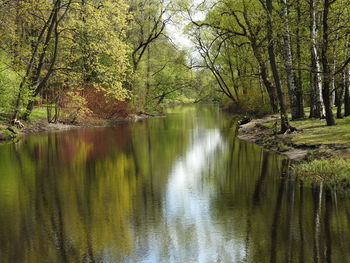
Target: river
[(181, 189)]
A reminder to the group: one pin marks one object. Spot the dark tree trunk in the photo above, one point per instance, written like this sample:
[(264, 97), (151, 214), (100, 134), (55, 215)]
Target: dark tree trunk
[(271, 50), (347, 93), (272, 95), (338, 100), (347, 102), (39, 82), (339, 95), (327, 103), (268, 85), (31, 63), (262, 65)]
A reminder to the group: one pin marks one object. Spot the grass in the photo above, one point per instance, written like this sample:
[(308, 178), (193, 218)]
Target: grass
[(332, 170), (334, 173), (38, 113), (329, 162), (315, 131)]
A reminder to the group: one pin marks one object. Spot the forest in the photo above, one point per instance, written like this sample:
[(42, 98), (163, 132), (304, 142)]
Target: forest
[(174, 131), (73, 59)]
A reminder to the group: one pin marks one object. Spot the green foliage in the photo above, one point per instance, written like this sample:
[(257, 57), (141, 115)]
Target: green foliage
[(39, 113), (254, 103), (122, 49), (9, 80), (6, 134), (76, 109), (50, 46), (97, 51)]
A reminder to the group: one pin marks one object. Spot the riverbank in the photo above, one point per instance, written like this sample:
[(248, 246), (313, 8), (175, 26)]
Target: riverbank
[(13, 132), (319, 153), (263, 132)]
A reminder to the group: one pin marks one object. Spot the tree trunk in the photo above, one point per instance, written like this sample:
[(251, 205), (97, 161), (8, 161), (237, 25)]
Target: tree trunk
[(40, 83), (270, 89), (325, 64), (347, 91), (339, 93), (31, 64), (271, 50), (299, 79), (312, 95), (265, 79), (319, 110), (287, 48), (262, 65)]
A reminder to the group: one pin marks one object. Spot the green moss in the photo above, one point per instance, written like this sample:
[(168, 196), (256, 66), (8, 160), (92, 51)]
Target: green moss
[(283, 147), (6, 135)]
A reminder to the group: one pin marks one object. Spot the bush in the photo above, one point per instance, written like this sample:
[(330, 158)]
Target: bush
[(252, 104), (75, 110), (9, 83), (104, 107)]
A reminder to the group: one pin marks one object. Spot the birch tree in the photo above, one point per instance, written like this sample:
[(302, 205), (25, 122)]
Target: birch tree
[(296, 108), (317, 105)]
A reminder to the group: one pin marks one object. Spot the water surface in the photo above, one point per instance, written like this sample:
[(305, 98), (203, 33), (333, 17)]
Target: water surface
[(177, 189)]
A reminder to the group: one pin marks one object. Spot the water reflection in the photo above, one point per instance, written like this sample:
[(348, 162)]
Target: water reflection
[(175, 189)]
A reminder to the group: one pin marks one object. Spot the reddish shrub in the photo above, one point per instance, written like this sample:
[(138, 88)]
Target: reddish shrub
[(104, 107), (101, 107)]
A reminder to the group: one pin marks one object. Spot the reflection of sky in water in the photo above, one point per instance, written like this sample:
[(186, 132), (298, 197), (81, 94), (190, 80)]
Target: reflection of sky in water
[(163, 190), (192, 234)]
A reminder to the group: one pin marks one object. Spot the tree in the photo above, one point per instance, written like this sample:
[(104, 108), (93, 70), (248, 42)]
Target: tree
[(272, 57), (48, 33)]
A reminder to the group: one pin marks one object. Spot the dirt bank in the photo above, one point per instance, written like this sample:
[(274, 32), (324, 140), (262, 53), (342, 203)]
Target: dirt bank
[(256, 132)]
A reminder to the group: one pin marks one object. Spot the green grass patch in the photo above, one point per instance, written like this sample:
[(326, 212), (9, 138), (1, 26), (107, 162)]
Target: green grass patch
[(332, 170), (333, 173), (38, 113), (315, 131)]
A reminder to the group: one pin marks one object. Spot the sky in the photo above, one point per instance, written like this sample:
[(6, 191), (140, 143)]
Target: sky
[(175, 29)]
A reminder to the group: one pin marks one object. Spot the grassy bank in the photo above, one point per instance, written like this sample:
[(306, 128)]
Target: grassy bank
[(322, 152)]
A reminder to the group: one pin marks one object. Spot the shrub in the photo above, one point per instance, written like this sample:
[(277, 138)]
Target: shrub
[(252, 104), (75, 109)]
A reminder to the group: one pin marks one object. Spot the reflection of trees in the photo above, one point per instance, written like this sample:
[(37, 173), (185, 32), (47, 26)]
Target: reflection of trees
[(301, 225), (82, 195), (290, 214), (327, 225), (296, 232), (85, 196), (276, 219), (66, 206), (318, 197)]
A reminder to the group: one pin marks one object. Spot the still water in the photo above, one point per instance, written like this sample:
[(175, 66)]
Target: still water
[(177, 189)]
